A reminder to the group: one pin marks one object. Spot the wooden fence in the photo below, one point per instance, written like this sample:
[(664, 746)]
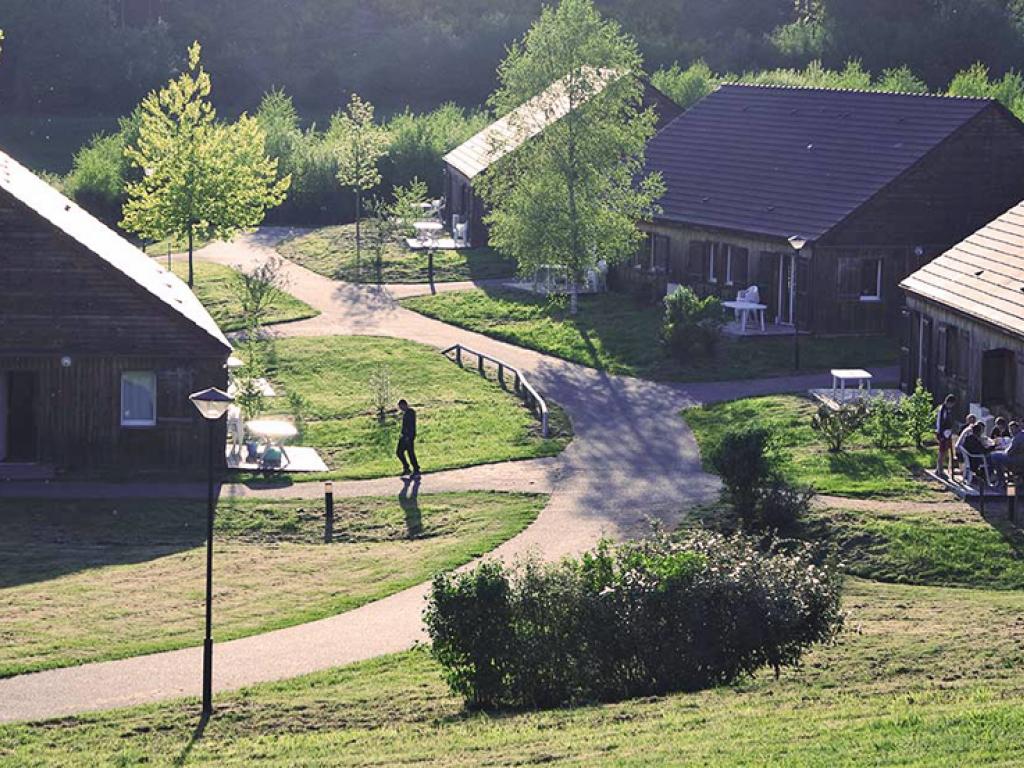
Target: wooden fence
[(521, 386)]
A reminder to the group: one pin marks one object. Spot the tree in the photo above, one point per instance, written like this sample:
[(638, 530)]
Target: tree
[(361, 143), (572, 194), (200, 178)]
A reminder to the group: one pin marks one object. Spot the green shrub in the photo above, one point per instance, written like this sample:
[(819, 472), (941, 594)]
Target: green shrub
[(919, 414), (643, 618), (780, 506), (836, 425), (745, 461), (691, 323), (885, 423)]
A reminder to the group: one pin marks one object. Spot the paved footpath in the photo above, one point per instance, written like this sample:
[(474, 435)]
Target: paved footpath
[(632, 461)]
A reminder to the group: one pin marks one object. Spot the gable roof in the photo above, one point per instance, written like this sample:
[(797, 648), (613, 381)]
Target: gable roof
[(101, 240), (982, 277), (506, 134), (784, 161)]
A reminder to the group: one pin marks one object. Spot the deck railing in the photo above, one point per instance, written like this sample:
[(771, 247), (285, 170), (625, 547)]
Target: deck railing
[(522, 387)]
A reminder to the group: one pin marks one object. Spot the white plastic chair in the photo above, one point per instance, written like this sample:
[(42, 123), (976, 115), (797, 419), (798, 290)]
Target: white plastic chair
[(986, 477), (236, 428)]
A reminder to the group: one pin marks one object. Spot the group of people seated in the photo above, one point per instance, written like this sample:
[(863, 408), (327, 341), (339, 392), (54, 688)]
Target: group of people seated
[(996, 452)]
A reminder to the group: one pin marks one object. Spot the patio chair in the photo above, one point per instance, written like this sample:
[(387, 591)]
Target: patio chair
[(986, 476)]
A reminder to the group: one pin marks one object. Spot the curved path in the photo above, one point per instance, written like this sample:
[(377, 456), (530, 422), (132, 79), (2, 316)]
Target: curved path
[(632, 461)]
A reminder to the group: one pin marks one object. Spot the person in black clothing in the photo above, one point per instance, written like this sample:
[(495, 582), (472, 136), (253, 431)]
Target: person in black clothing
[(972, 442), (407, 440)]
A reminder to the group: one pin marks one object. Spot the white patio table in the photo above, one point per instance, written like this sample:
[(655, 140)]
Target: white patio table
[(743, 309), (273, 432), (427, 230), (842, 375)]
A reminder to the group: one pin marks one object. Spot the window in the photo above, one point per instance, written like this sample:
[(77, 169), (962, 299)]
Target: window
[(871, 280), (736, 266), (138, 399), (659, 253), (716, 262)]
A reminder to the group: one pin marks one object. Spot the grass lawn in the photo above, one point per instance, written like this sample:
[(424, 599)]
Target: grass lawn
[(946, 544), (213, 288), (860, 471), (331, 251), (613, 332), (102, 579), (921, 677), (463, 419)]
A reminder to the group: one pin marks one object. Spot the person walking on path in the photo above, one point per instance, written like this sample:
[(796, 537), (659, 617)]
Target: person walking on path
[(944, 434), (406, 451)]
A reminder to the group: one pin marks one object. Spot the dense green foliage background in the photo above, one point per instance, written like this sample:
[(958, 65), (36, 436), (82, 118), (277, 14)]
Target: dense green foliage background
[(102, 56)]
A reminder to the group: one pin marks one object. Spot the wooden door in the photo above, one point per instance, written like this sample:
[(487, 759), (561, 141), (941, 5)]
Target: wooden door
[(21, 416)]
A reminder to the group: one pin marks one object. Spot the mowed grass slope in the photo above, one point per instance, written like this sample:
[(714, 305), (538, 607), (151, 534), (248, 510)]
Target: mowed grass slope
[(615, 333), (331, 251), (213, 288), (921, 677), (862, 470), (107, 579), (463, 419)]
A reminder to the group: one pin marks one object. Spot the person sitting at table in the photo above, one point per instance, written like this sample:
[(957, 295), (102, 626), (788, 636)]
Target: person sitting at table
[(1000, 430), (972, 442), (1011, 458), (969, 423)]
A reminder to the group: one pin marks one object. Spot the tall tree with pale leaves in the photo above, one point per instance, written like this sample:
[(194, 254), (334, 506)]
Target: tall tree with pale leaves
[(360, 145), (571, 194), (201, 178)]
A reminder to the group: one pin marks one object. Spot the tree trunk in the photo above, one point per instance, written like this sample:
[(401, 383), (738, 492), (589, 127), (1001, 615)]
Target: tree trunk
[(358, 233), (190, 274), (574, 297)]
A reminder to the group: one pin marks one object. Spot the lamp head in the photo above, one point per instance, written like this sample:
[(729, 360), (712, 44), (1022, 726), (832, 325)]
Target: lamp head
[(211, 403), (798, 242)]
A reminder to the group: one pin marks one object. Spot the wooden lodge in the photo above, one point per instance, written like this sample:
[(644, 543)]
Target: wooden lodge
[(481, 151), (963, 327), (99, 346), (878, 184)]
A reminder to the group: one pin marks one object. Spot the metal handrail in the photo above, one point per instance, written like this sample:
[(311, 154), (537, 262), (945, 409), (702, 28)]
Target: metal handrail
[(523, 387)]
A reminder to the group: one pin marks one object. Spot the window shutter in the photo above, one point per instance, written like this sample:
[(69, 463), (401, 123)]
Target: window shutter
[(941, 349), (740, 266), (696, 261)]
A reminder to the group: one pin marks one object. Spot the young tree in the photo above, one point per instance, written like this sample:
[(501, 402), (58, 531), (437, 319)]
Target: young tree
[(361, 143), (200, 178), (572, 194)]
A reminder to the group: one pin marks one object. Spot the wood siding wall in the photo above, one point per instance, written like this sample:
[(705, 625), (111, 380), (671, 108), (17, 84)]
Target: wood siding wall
[(59, 300), (77, 411), (926, 326)]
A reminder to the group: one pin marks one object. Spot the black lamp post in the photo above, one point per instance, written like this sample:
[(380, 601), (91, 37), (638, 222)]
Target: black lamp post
[(797, 242), (212, 404)]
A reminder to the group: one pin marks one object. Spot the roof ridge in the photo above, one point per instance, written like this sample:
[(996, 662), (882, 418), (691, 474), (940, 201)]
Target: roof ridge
[(877, 92)]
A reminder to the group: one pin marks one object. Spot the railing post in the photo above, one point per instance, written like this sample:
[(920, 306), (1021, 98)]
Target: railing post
[(517, 384), (544, 424), (480, 363), (501, 375), (458, 355)]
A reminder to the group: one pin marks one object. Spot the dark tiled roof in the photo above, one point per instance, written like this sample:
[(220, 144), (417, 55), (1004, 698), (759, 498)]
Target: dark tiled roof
[(982, 277), (781, 161)]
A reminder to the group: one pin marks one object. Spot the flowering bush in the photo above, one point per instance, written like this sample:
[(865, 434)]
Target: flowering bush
[(643, 618)]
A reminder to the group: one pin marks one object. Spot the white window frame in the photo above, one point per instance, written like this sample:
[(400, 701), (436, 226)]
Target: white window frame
[(877, 296), (712, 252), (728, 265), (125, 421)]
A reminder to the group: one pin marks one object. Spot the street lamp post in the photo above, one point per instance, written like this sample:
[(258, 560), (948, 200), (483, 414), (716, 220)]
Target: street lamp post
[(212, 404), (797, 243)]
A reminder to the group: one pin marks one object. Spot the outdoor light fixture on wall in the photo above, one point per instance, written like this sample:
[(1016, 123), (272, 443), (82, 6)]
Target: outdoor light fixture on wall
[(65, 362)]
